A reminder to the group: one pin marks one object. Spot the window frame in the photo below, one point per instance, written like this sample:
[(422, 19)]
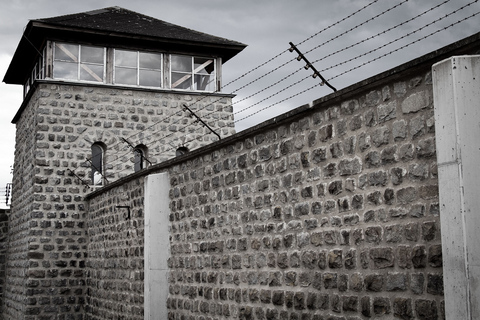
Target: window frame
[(138, 68), (142, 151), (79, 63), (97, 165), (193, 73), (46, 65)]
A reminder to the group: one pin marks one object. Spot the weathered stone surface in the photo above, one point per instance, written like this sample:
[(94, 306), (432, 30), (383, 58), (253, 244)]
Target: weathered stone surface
[(415, 102), (382, 257), (381, 306), (426, 309), (374, 282), (402, 308), (331, 215)]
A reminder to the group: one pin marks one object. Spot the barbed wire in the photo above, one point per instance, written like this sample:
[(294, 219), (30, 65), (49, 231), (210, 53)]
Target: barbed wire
[(357, 26), (382, 32), (338, 22), (251, 82), (301, 92), (400, 48)]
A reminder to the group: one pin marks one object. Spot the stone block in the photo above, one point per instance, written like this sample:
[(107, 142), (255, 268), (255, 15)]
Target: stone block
[(402, 308), (374, 282), (426, 309), (381, 306), (348, 167), (415, 102), (382, 257)]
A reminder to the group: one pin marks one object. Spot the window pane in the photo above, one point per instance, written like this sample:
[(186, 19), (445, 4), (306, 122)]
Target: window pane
[(66, 52), (125, 58), (181, 63), (65, 70), (92, 54), (138, 159), (181, 81), (150, 61), (203, 65), (97, 164), (89, 72), (150, 78), (204, 83), (125, 76)]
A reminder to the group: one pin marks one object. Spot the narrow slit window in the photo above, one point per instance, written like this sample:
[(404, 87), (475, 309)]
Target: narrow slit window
[(97, 164), (181, 151), (138, 159)]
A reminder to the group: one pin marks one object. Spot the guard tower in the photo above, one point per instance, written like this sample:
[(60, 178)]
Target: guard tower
[(104, 96)]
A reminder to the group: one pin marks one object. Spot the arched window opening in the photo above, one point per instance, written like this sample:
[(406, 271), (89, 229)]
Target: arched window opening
[(140, 158), (97, 164), (181, 151)]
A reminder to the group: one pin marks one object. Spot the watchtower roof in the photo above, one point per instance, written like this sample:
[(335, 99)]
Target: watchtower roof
[(117, 27)]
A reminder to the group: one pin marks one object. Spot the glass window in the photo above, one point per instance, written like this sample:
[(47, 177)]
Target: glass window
[(97, 164), (78, 62), (140, 157), (138, 160), (181, 151), (138, 68), (192, 73)]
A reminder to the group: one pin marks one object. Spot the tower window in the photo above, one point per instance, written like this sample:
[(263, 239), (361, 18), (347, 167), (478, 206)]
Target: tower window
[(140, 158), (97, 164), (181, 151), (138, 68), (192, 73), (78, 62)]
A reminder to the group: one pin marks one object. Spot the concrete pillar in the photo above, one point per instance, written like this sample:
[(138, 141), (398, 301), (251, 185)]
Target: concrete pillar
[(456, 88), (157, 246)]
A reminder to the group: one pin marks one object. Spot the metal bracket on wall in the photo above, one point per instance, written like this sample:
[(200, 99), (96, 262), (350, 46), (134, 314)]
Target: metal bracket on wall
[(200, 120), (309, 65), (125, 207)]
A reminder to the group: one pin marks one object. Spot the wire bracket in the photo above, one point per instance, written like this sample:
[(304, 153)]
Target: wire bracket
[(133, 148), (200, 120), (72, 173), (309, 65)]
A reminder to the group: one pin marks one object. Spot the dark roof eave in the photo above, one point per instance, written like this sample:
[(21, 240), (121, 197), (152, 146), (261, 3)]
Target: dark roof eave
[(233, 45), (37, 32)]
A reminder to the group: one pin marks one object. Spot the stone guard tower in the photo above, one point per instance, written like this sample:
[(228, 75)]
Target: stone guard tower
[(103, 97)]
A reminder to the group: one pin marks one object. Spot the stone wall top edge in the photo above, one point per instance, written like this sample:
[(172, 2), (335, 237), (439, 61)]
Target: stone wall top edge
[(106, 86), (423, 63)]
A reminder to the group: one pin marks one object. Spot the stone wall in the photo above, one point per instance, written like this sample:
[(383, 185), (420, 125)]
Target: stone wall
[(330, 215), (18, 292), (3, 249), (327, 212), (48, 238), (115, 265)]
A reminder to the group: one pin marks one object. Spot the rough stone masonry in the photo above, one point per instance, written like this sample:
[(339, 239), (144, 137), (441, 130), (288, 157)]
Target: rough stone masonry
[(333, 215), (329, 214)]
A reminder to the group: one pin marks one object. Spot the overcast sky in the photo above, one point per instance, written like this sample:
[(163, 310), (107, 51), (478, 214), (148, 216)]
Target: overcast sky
[(266, 27)]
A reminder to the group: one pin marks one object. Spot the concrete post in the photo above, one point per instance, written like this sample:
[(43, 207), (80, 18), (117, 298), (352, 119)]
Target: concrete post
[(456, 85), (157, 246)]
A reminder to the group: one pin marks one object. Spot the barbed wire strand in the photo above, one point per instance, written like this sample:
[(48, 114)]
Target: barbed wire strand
[(405, 46), (381, 33), (163, 137), (400, 38), (268, 73), (357, 26)]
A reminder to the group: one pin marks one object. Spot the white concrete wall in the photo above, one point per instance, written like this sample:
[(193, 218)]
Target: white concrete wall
[(456, 83), (157, 246)]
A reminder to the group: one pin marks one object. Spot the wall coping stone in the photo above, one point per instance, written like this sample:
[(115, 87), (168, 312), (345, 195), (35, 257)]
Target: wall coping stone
[(424, 62)]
